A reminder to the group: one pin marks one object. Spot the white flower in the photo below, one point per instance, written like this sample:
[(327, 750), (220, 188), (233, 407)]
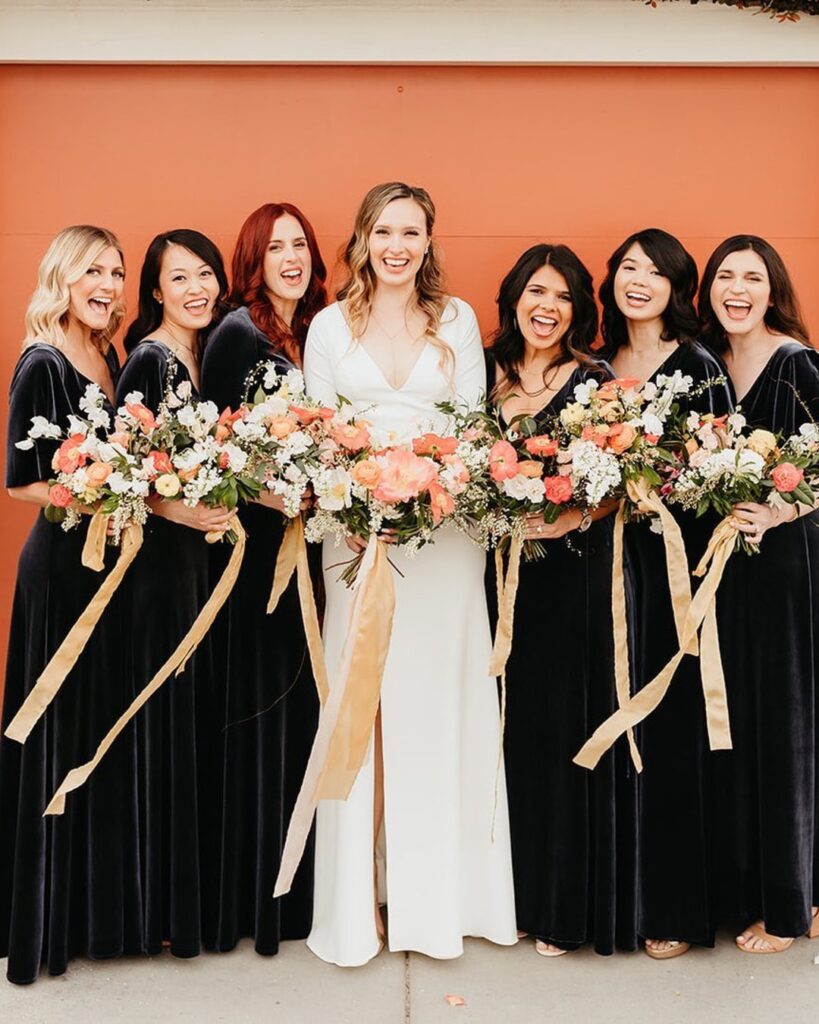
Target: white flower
[(656, 525), (133, 398), (76, 425), (25, 445), (572, 414), (524, 488), (294, 382), (297, 443), (810, 431), (237, 459), (583, 392), (117, 483), (333, 490), (595, 472), (692, 422), (184, 390), (652, 424), (271, 377), (649, 390), (736, 421), (41, 427)]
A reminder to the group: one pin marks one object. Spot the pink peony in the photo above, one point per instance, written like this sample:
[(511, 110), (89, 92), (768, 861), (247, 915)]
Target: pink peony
[(503, 461), (404, 476)]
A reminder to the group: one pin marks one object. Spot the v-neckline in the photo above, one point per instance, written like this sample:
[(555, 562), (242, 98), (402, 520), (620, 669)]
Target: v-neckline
[(759, 376), (90, 380), (543, 408), (384, 377)]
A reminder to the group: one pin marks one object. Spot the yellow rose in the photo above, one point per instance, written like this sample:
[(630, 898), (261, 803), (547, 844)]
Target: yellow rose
[(762, 442), (167, 485), (572, 414)]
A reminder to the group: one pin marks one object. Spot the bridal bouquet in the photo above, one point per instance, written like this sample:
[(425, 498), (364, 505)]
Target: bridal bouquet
[(283, 433), (188, 450), (94, 467), (370, 482), (721, 465)]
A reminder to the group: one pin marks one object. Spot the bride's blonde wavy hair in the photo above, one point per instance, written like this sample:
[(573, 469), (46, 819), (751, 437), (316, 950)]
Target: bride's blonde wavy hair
[(358, 290), (68, 257)]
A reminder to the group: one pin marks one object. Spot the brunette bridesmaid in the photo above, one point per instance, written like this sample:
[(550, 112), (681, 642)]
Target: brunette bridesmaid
[(182, 285), (573, 838), (650, 328), (69, 885), (271, 706), (768, 615)]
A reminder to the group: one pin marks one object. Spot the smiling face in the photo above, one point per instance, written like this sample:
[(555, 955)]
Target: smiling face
[(544, 310), (287, 262), (741, 292), (640, 290), (188, 288), (93, 298), (398, 241)]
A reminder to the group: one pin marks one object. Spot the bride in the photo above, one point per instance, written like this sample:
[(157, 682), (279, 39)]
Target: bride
[(416, 832)]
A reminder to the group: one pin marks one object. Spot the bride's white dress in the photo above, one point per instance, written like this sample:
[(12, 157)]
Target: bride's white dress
[(440, 872)]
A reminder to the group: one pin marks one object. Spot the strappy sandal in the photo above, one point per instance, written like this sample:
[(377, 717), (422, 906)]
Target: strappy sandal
[(676, 949), (777, 944), (541, 950)]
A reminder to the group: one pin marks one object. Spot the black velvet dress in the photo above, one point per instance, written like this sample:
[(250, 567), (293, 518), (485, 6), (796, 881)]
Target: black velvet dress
[(179, 729), (270, 702), (768, 613), (69, 885), (676, 786), (573, 831)]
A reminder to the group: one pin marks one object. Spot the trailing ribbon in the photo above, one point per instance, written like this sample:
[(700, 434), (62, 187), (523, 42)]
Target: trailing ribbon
[(619, 623), (701, 611), (348, 715), (507, 584), (175, 663), (292, 558), (65, 657)]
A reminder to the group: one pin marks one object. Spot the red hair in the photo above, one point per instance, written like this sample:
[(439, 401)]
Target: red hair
[(248, 279)]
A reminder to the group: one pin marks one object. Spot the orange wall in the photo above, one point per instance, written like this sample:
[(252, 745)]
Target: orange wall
[(510, 155)]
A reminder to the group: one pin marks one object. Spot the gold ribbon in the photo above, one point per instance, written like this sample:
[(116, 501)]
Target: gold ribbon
[(701, 611), (619, 621), (292, 558), (65, 657), (507, 586), (347, 717), (175, 663)]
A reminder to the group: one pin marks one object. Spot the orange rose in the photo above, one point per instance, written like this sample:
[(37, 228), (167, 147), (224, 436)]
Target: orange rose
[(366, 473), (533, 470), (97, 473), (621, 437), (281, 427)]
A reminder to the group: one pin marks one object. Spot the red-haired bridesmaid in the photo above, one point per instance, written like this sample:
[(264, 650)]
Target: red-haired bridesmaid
[(271, 706)]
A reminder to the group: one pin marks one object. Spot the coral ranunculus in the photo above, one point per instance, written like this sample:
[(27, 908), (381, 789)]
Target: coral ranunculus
[(503, 461), (786, 477), (352, 436), (404, 476), (621, 437), (541, 444), (68, 456), (97, 473), (558, 489), (441, 503), (143, 415), (60, 496), (434, 445), (366, 473)]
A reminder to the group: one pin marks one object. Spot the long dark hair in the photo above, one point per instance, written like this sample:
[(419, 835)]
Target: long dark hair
[(149, 314), (782, 316), (673, 261), (248, 279), (508, 345)]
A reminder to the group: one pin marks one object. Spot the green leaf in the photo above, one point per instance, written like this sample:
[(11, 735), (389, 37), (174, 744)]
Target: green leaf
[(54, 514)]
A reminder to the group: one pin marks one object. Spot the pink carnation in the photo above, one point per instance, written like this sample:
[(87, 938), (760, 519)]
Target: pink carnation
[(786, 477)]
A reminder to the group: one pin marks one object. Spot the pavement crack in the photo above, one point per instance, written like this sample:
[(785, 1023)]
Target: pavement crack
[(407, 991)]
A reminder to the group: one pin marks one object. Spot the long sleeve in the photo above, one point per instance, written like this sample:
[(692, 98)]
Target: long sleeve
[(470, 364), (37, 389), (318, 371)]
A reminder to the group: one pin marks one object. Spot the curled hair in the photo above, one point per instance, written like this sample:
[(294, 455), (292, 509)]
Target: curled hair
[(150, 312), (71, 253), (248, 280), (508, 343), (783, 316), (672, 259), (358, 290)]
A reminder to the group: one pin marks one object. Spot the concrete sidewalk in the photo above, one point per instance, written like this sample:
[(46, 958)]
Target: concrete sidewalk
[(500, 986)]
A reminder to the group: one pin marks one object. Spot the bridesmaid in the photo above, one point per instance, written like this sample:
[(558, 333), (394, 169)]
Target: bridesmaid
[(650, 328), (69, 885), (182, 284), (767, 610), (573, 841), (271, 706)]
